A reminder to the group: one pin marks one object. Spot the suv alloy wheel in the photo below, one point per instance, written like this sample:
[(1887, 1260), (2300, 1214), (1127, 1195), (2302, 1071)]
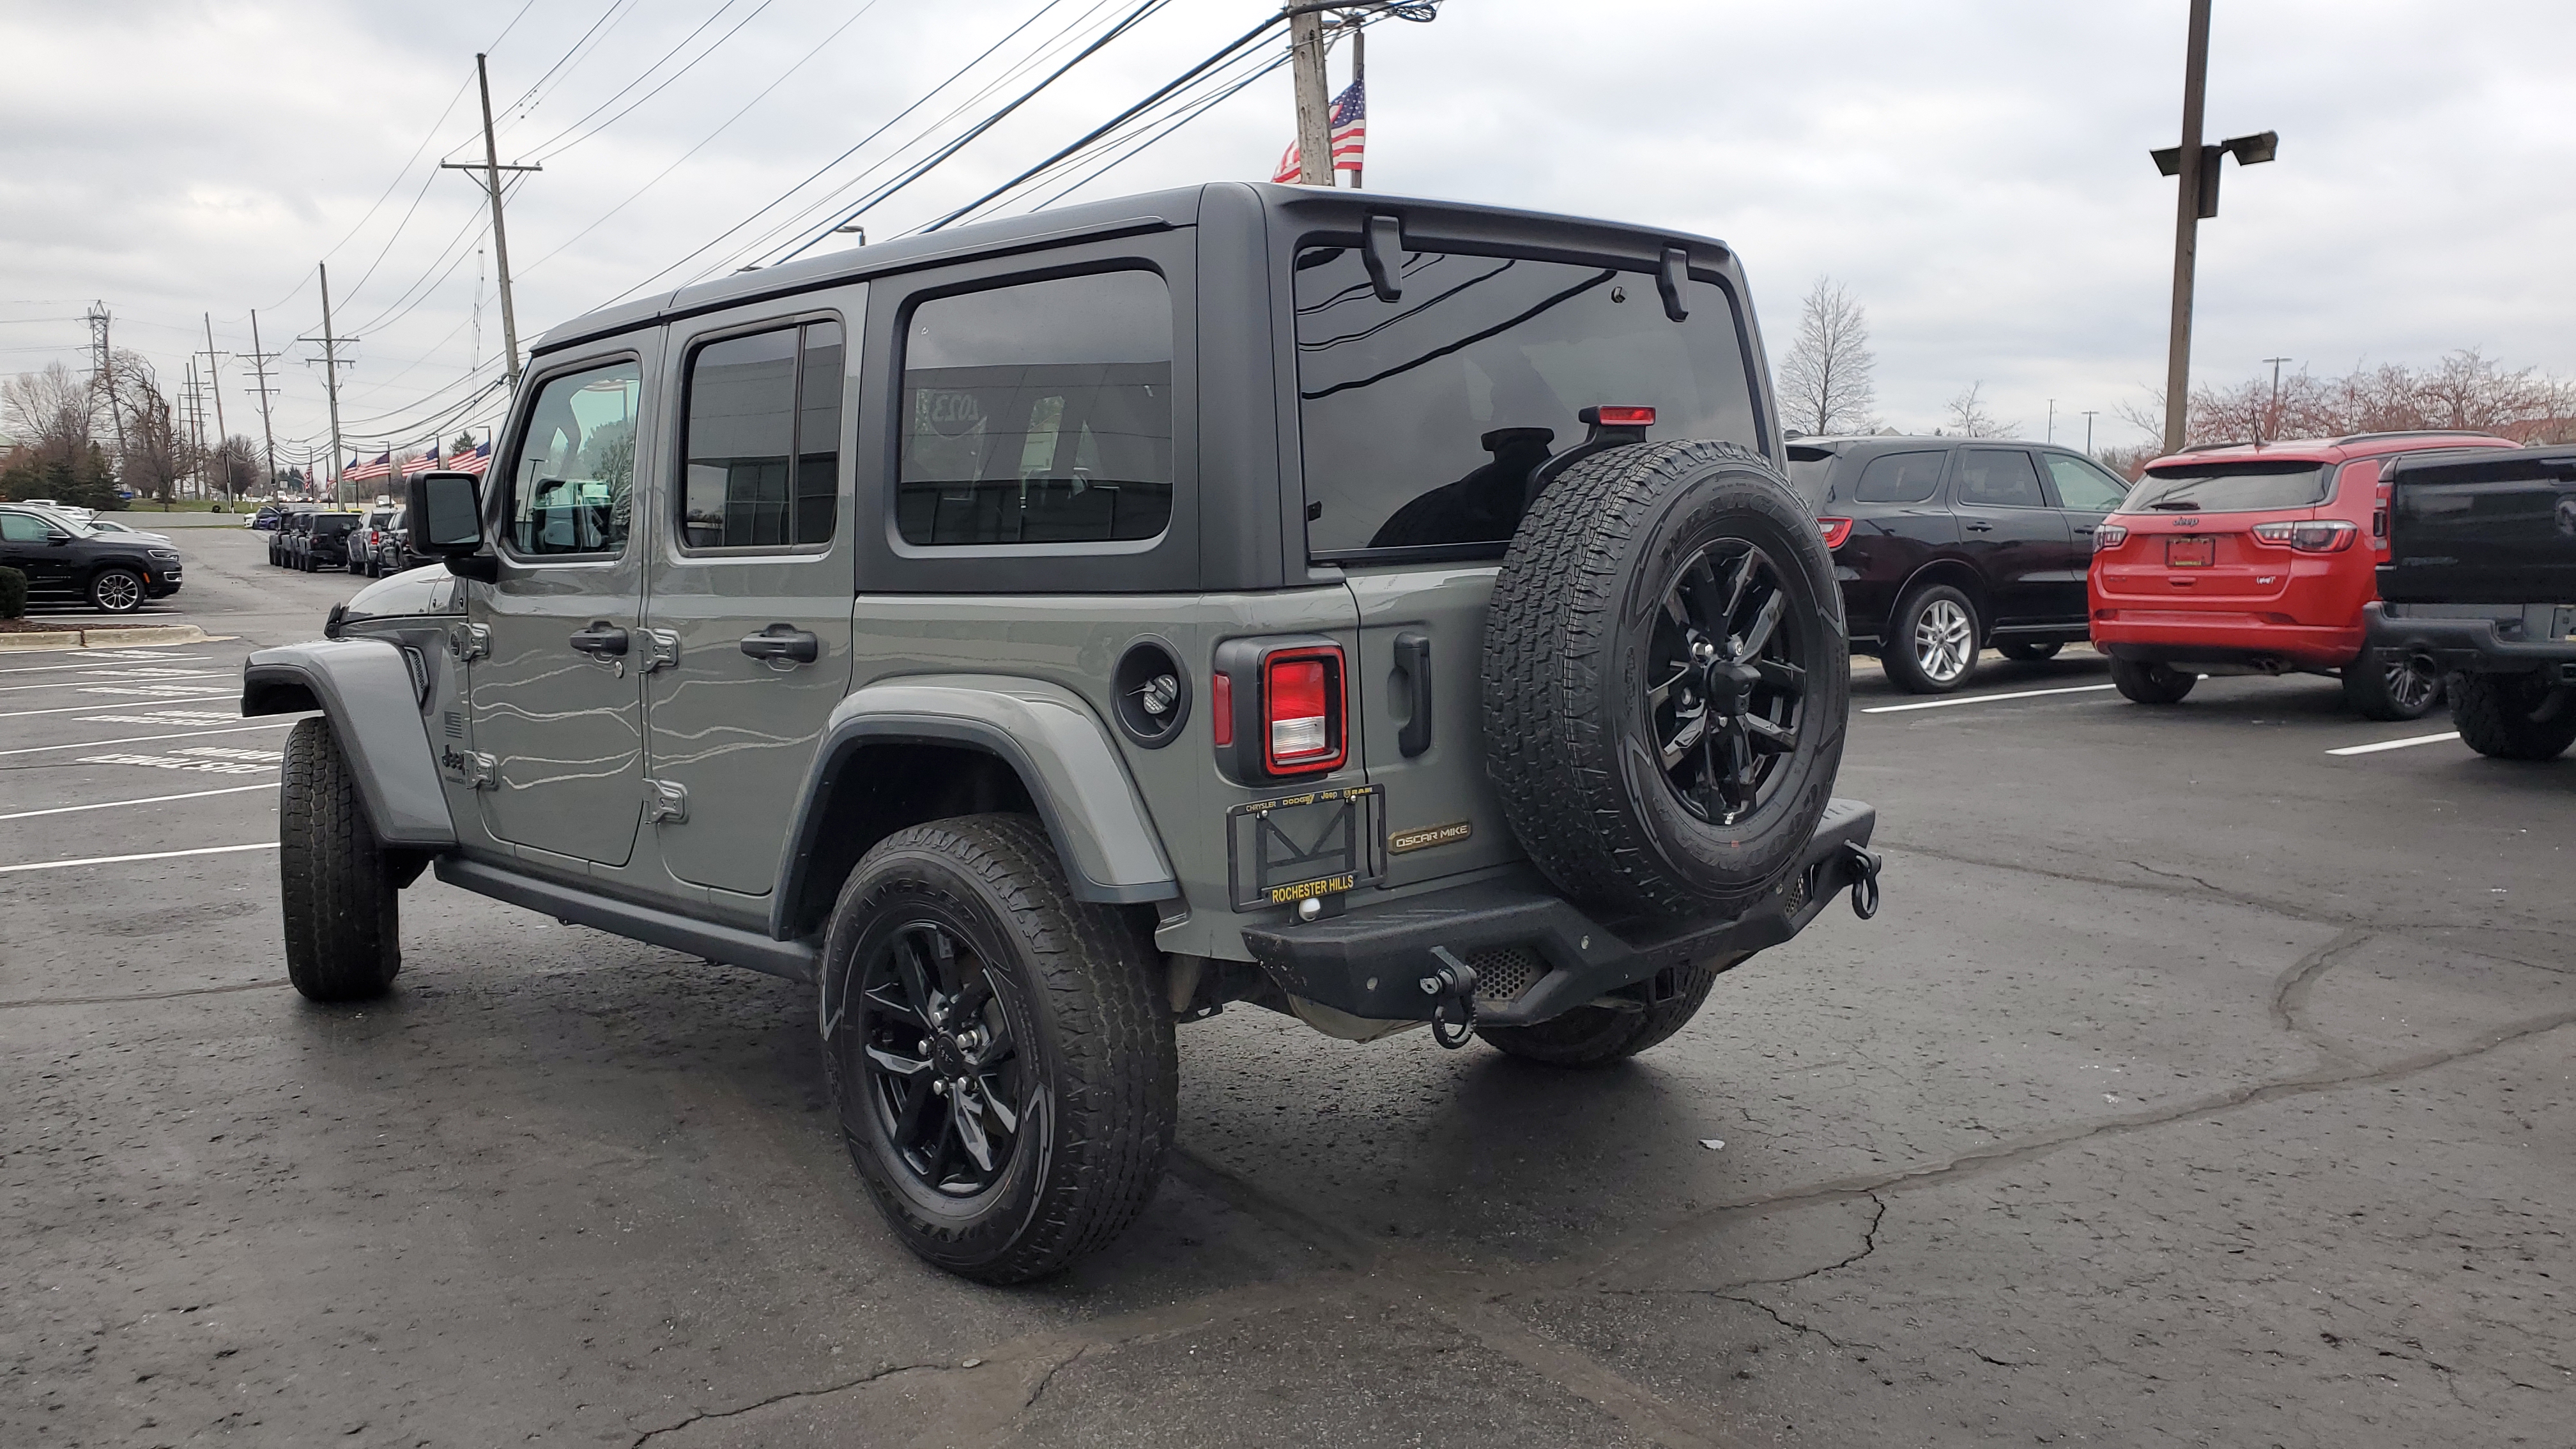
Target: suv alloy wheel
[(2402, 688), (1932, 641), (117, 591)]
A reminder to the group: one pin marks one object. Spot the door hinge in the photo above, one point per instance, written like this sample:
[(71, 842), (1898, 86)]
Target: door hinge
[(469, 641), (661, 649), (666, 802), (482, 772)]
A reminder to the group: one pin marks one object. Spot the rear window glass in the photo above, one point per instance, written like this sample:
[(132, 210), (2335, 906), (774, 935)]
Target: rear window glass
[(335, 523), (2242, 486), (1811, 474), (1900, 477), (1423, 418)]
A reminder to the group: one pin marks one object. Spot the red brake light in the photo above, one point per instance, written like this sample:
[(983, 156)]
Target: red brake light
[(1617, 415), (1221, 703), (2110, 535), (1301, 710), (1835, 530), (2315, 535)]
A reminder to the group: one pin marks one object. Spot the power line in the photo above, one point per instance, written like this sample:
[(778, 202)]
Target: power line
[(557, 144)]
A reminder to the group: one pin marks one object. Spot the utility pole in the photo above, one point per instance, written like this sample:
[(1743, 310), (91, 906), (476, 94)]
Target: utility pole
[(1314, 107), (1359, 78), (2052, 421), (492, 169), (477, 364), (2275, 418), (330, 374), (2088, 431), (2195, 86), (259, 361), (105, 377), (215, 384)]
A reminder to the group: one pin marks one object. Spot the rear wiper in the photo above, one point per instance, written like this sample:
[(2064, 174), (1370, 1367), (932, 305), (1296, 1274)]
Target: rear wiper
[(2188, 504)]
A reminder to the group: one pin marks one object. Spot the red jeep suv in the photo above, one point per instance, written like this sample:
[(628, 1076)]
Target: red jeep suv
[(2256, 558)]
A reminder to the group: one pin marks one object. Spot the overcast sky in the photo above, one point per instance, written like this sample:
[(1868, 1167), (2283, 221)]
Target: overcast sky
[(1976, 173)]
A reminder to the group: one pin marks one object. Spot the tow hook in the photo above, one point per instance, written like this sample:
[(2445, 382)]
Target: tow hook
[(1454, 981), (1863, 864)]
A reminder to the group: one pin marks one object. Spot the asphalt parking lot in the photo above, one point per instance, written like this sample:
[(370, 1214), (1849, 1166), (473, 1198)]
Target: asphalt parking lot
[(2197, 1084)]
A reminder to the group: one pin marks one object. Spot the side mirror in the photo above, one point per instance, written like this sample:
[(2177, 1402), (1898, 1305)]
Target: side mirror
[(57, 537), (448, 508)]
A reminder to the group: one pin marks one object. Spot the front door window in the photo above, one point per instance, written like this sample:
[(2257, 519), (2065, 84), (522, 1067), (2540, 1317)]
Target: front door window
[(571, 490)]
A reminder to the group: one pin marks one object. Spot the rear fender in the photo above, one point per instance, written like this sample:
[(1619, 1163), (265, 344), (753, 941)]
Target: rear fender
[(1053, 740), (363, 687)]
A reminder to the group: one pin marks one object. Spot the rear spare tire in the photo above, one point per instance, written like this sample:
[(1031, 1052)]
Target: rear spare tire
[(1665, 679)]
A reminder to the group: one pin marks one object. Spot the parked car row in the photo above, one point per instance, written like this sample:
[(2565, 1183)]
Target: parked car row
[(2253, 558), (116, 570), (372, 543)]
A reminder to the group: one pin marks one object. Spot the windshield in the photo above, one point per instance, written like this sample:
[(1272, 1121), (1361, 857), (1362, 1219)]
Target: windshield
[(1424, 418), (2234, 487)]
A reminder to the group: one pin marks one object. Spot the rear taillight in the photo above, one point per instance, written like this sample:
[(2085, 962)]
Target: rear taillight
[(1835, 531), (1221, 700), (2110, 535), (2310, 535), (1282, 707)]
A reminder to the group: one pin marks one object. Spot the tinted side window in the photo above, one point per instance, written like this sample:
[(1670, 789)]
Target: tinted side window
[(570, 489), (1999, 478), (2083, 487), (22, 528), (1900, 478), (763, 440), (1039, 413)]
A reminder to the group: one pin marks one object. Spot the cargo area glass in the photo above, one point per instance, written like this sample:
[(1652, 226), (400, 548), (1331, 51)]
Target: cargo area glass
[(2237, 487)]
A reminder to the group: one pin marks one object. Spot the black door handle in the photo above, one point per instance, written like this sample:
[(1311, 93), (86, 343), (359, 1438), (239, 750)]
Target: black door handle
[(1413, 656), (783, 641), (601, 641), (1978, 527), (2084, 530)]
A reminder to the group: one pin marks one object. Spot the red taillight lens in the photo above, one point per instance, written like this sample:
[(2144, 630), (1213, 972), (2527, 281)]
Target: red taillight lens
[(1618, 415), (2313, 535), (1221, 703), (1835, 531), (1301, 710), (2110, 535)]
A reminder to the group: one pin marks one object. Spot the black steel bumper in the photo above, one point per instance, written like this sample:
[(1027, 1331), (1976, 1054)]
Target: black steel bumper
[(2479, 639), (1371, 962)]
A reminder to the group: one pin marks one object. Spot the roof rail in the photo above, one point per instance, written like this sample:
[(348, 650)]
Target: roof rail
[(2415, 433)]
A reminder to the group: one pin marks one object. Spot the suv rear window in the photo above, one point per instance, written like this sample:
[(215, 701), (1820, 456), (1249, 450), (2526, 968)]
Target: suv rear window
[(2242, 486), (1423, 418), (335, 522)]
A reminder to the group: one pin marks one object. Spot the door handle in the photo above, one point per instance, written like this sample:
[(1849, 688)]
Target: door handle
[(602, 640), (1978, 527), (2085, 531), (1413, 656), (783, 643)]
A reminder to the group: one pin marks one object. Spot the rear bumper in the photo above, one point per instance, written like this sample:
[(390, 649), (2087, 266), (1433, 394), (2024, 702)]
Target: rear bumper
[(1370, 963), (2479, 639), (2253, 639)]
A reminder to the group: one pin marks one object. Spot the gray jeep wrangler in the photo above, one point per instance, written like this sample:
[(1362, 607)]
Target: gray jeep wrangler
[(1035, 635)]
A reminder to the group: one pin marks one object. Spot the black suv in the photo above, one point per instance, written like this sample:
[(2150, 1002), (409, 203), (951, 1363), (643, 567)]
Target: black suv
[(1945, 545), (326, 540), (116, 572)]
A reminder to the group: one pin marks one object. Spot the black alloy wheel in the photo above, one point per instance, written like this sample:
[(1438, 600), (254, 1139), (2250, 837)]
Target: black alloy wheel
[(2401, 688), (944, 1073), (1731, 689)]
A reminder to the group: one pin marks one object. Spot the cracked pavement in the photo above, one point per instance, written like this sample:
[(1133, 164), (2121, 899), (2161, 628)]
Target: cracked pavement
[(2193, 1086)]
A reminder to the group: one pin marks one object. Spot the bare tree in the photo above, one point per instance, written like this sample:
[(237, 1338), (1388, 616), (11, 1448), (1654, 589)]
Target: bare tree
[(50, 412), (1824, 381), (1970, 419), (2465, 390), (234, 465)]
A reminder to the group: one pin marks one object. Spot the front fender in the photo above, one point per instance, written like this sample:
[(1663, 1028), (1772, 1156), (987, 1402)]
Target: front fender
[(1101, 830), (365, 689)]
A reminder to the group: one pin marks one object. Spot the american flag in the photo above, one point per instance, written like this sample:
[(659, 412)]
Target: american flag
[(473, 462), (1349, 122), (382, 466)]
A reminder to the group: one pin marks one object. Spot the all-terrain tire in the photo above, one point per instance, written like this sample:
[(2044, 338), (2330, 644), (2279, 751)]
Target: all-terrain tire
[(2513, 716), (2407, 689), (2029, 653), (1932, 640), (1572, 739), (1081, 986), (338, 889), (2147, 682), (1596, 1036)]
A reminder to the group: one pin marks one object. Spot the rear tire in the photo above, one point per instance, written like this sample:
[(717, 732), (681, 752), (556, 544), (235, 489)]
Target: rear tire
[(2406, 689), (1596, 1036), (2029, 653), (958, 957), (338, 891), (2513, 716), (1931, 645), (2151, 682)]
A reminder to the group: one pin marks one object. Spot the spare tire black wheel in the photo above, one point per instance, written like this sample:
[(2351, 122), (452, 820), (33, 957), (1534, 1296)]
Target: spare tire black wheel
[(1665, 679)]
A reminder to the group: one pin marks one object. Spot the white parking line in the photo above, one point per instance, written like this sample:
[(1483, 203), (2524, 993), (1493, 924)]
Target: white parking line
[(122, 859), (147, 800), (1985, 698), (94, 661), (95, 704), (2372, 749), (91, 676), (278, 724)]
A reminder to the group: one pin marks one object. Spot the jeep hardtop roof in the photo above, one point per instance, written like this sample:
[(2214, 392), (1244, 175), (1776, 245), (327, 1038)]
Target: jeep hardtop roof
[(1257, 208)]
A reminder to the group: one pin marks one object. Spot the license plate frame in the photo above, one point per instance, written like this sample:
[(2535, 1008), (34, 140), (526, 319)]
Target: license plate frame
[(1302, 847), (2191, 552)]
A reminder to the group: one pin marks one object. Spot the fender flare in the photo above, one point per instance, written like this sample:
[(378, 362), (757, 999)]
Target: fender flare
[(365, 689), (1056, 742)]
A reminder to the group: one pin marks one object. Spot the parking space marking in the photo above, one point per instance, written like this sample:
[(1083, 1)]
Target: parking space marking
[(1985, 698), (147, 800), (83, 679), (177, 762), (96, 655), (123, 859), (164, 717), (2372, 749), (276, 724), (93, 704)]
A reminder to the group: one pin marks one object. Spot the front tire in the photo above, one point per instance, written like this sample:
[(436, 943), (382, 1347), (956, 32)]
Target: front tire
[(960, 970), (338, 891), (2151, 682), (2404, 689), (2513, 716), (1931, 643), (116, 591), (1596, 1036)]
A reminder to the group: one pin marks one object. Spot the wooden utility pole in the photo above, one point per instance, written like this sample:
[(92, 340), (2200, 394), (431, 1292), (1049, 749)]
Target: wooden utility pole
[(259, 361), (1314, 106), (1359, 81), (331, 376), (492, 169), (2195, 85), (215, 385)]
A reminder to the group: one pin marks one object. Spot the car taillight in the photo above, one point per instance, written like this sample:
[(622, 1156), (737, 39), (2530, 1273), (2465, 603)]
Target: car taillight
[(1300, 710), (2110, 535), (2312, 535), (1835, 531), (1221, 701)]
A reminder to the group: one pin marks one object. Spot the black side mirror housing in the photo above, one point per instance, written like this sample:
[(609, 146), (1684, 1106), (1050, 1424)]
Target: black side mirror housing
[(57, 537), (445, 518)]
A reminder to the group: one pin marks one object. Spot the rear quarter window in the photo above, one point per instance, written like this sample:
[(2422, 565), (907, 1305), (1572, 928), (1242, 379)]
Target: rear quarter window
[(1908, 477)]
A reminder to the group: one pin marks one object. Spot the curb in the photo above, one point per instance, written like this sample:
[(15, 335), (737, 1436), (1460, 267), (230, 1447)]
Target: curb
[(103, 638)]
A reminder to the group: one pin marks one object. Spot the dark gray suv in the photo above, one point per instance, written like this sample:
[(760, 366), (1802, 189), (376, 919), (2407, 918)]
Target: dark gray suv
[(1384, 612)]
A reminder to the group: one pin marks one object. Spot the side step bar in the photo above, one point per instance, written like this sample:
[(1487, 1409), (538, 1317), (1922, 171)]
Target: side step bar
[(795, 960)]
